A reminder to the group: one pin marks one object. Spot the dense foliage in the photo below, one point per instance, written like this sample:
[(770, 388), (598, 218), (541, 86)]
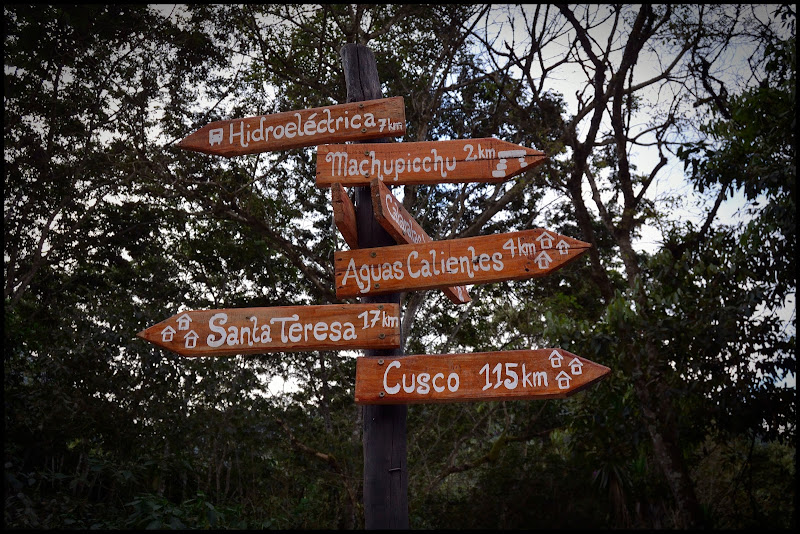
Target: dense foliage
[(109, 229)]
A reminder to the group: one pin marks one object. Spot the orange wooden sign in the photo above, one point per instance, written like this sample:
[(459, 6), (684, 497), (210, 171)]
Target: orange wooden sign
[(481, 376), (279, 329), (396, 220), (356, 121), (437, 264), (428, 162), (344, 215)]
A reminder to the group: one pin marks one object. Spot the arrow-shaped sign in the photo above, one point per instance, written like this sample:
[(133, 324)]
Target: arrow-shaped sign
[(356, 121), (344, 215), (481, 376), (437, 264), (278, 329), (427, 162), (396, 220)]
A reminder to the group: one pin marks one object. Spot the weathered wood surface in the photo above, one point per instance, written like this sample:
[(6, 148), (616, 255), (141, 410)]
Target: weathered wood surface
[(278, 329), (344, 215), (428, 162), (294, 129), (391, 214), (437, 264), (384, 437), (482, 376)]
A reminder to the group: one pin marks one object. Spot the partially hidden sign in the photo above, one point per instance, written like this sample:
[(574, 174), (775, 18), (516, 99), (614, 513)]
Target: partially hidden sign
[(278, 329), (356, 121), (428, 162), (481, 376), (396, 220), (437, 264), (344, 215)]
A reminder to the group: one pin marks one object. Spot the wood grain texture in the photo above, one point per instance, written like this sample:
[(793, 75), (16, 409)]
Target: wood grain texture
[(355, 121), (481, 376), (437, 264), (428, 162), (344, 215), (278, 329), (396, 220), (384, 437)]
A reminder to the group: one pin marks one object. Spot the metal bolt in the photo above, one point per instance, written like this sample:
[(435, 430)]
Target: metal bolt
[(361, 106), (366, 152), (377, 286), (381, 336), (381, 394), (373, 254), (380, 362), (363, 130), (380, 306)]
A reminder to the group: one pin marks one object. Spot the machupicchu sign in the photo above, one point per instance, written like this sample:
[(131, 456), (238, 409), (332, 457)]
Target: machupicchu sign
[(454, 262), (396, 220), (480, 376), (356, 121), (427, 162), (278, 329)]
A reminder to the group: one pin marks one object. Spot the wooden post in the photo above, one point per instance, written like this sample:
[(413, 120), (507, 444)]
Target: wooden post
[(385, 469)]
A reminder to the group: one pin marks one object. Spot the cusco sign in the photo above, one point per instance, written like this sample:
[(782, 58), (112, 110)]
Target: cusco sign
[(436, 264), (428, 162), (356, 121), (278, 329), (481, 376)]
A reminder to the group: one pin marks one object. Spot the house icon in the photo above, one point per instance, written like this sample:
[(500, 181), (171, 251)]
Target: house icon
[(183, 322), (191, 339), (555, 359), (543, 260), (563, 247), (577, 366), (545, 240), (167, 333), (563, 380)]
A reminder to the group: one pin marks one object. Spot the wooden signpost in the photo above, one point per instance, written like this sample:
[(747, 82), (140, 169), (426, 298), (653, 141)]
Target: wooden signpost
[(481, 376), (344, 215), (436, 264), (294, 129), (377, 271), (428, 162), (384, 427), (278, 329)]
